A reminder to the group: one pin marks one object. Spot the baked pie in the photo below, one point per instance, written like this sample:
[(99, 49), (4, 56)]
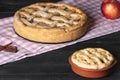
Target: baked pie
[(92, 62), (92, 58), (50, 22)]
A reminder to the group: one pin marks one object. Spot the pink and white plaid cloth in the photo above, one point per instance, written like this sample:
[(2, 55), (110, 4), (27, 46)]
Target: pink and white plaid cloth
[(99, 26)]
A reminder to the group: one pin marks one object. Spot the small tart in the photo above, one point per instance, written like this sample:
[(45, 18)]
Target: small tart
[(50, 22), (92, 58)]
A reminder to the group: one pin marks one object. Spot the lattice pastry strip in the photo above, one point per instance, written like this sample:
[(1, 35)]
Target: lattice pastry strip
[(54, 12), (92, 58)]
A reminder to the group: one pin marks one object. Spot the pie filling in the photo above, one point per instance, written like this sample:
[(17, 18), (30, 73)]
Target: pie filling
[(92, 58), (50, 15)]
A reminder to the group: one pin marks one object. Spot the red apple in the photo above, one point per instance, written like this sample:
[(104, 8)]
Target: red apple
[(110, 9)]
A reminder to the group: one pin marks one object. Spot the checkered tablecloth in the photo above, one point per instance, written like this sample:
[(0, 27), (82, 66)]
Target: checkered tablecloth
[(99, 26)]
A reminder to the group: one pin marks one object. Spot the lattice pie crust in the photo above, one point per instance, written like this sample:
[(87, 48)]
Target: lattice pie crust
[(92, 58), (50, 22)]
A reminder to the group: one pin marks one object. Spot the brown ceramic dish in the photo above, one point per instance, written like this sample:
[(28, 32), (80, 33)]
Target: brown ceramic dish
[(91, 73)]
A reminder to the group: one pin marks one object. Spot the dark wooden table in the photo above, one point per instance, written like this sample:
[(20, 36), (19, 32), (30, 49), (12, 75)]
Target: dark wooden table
[(54, 65)]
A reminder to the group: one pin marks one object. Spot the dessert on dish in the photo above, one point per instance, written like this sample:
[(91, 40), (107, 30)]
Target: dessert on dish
[(50, 22), (92, 62), (92, 58)]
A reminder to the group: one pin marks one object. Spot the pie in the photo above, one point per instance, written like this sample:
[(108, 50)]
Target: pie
[(92, 58), (50, 22)]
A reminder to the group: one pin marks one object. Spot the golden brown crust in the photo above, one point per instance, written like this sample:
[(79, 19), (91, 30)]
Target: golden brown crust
[(92, 58), (42, 22)]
